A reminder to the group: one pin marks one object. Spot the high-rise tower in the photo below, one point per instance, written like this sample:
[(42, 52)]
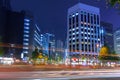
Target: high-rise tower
[(83, 30)]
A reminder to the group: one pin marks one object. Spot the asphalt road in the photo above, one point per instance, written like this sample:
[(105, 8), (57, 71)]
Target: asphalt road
[(62, 75)]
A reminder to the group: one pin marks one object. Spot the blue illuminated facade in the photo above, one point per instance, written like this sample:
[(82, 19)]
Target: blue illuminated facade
[(26, 35), (48, 44), (83, 31), (36, 38), (108, 35)]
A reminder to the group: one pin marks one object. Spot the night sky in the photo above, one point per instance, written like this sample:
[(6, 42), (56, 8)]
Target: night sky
[(51, 15)]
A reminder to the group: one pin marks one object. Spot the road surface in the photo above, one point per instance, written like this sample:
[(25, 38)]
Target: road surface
[(61, 75)]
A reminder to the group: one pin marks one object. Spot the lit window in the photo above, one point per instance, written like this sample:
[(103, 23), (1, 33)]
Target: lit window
[(25, 51), (85, 37), (77, 27), (118, 45), (26, 24), (102, 31), (26, 27), (26, 31), (98, 39), (73, 33), (27, 20), (25, 48), (91, 28), (73, 15), (76, 13), (25, 43), (73, 29), (77, 33), (73, 38), (88, 33), (26, 35), (26, 39), (118, 38)]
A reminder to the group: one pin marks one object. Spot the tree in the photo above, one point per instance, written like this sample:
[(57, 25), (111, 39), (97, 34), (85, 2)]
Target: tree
[(113, 2), (1, 48), (104, 51), (106, 55), (35, 53)]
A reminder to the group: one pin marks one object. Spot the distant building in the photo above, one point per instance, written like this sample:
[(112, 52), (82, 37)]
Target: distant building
[(37, 37), (83, 31), (108, 35), (48, 44), (59, 49), (117, 41)]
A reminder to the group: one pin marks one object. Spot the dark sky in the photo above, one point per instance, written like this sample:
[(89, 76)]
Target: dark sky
[(51, 15)]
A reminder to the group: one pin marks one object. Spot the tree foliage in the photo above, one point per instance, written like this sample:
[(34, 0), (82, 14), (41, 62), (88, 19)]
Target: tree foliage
[(35, 53), (104, 51), (113, 2), (1, 48), (105, 54)]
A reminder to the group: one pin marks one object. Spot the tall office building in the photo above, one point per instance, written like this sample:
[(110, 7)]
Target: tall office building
[(4, 7), (83, 30), (28, 33), (108, 35), (18, 34), (59, 49), (37, 37), (48, 44), (117, 41)]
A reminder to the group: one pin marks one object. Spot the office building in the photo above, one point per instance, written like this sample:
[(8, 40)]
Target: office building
[(59, 50), (108, 35), (4, 7), (83, 31), (18, 34), (37, 37), (117, 41), (48, 44)]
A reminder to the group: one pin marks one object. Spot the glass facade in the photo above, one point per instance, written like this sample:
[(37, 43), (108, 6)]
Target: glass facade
[(83, 31), (26, 36)]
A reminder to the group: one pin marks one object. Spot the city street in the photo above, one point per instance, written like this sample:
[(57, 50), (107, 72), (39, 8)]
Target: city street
[(65, 75)]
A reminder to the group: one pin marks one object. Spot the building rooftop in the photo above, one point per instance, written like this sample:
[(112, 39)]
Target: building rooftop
[(86, 7)]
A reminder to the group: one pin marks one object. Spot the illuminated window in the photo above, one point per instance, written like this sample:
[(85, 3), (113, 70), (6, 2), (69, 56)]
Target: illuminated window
[(73, 33), (73, 29), (77, 13), (26, 39), (25, 51), (25, 48), (73, 15), (27, 24), (27, 20), (25, 43), (73, 38), (26, 35), (26, 27), (26, 31)]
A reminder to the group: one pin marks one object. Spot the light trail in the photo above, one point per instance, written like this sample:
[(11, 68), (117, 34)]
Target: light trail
[(61, 74)]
